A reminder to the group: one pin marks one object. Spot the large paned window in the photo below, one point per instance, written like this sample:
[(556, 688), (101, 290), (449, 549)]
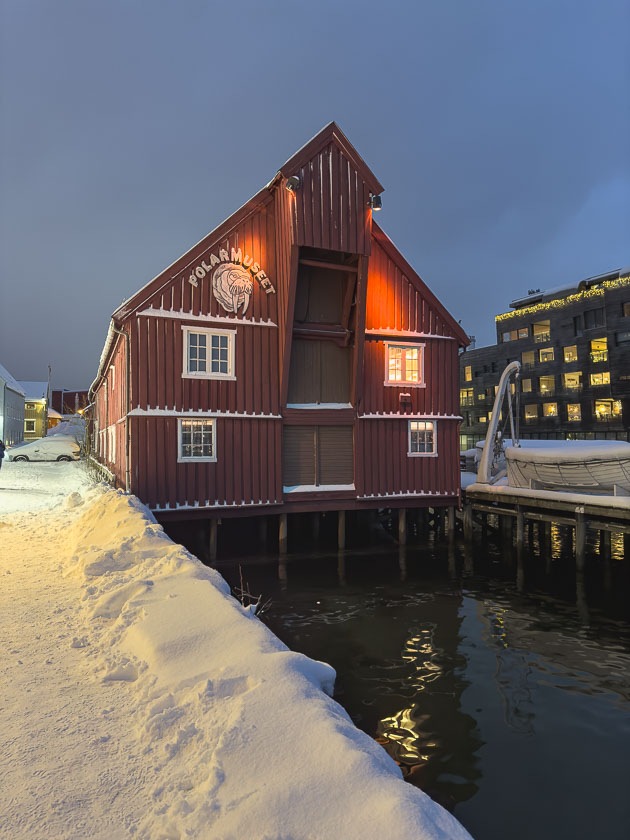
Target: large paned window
[(531, 413), (528, 358), (574, 412), (468, 373), (572, 381), (541, 331), (570, 354), (466, 396), (602, 378), (594, 318), (208, 354), (526, 385), (404, 364), (606, 410), (550, 409), (599, 349), (422, 437), (197, 440), (546, 354), (546, 384)]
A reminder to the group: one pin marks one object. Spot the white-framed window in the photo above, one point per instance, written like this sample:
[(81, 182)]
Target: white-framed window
[(404, 365), (208, 354), (29, 425), (422, 437), (196, 440)]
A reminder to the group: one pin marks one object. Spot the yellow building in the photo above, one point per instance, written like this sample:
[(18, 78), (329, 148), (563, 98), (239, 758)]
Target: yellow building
[(35, 409)]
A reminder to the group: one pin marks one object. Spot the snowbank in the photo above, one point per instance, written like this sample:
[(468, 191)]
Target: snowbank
[(237, 735)]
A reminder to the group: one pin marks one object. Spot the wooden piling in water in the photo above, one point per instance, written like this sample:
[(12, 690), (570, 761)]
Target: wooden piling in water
[(402, 526), (520, 527), (580, 539), (341, 530), (212, 541), (262, 531), (450, 521), (468, 523), (283, 533)]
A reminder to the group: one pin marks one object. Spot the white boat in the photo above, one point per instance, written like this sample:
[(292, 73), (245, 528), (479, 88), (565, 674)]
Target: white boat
[(595, 467), (571, 466)]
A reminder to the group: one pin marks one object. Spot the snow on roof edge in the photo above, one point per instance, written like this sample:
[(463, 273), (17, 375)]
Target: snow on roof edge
[(11, 382)]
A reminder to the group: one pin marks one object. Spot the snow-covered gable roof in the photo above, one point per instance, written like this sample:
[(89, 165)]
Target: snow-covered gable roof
[(11, 383), (35, 390)]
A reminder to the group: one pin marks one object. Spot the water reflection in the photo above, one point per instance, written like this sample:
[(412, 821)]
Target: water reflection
[(496, 687)]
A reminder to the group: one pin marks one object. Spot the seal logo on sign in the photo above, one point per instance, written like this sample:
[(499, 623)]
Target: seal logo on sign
[(232, 286)]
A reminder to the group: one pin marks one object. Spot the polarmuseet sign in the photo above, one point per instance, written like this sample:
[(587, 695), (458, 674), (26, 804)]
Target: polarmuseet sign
[(233, 278)]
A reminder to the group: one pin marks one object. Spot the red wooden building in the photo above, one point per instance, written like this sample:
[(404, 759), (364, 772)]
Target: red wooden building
[(290, 361)]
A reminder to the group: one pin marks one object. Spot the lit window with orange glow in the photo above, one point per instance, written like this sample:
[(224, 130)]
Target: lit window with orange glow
[(404, 364)]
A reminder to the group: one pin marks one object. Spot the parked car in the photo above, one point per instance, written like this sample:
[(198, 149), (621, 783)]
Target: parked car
[(54, 448)]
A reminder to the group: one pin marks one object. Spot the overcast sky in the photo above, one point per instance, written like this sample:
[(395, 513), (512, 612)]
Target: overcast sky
[(128, 130)]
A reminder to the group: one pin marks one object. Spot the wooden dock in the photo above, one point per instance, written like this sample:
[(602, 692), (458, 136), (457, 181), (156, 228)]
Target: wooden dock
[(514, 505)]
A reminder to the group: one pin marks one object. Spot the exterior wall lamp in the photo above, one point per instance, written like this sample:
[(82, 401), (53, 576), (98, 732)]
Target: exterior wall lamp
[(375, 202), (292, 183)]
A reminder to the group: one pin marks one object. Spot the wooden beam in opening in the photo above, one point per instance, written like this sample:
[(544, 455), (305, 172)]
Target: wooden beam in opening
[(332, 266)]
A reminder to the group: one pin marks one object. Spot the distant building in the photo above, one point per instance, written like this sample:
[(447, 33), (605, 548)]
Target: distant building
[(35, 409), (573, 344), (11, 409), (68, 402)]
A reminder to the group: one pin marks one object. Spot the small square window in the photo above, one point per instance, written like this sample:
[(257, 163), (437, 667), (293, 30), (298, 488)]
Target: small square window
[(209, 354), (197, 440), (29, 425), (422, 437), (405, 363)]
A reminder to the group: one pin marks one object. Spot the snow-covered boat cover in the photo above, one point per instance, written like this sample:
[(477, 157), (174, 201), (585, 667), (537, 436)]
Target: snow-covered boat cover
[(599, 465)]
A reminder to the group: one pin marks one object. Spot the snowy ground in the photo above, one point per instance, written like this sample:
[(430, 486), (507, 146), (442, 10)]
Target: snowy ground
[(141, 700)]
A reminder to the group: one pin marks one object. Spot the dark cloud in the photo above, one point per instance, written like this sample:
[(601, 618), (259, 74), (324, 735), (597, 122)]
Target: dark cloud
[(128, 131)]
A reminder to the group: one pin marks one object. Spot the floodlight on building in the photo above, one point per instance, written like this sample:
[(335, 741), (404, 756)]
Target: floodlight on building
[(375, 202), (292, 183)]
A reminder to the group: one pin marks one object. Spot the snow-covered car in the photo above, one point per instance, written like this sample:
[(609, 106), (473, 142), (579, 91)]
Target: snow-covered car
[(54, 448)]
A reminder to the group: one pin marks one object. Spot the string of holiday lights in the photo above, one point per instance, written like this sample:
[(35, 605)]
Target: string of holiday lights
[(566, 301)]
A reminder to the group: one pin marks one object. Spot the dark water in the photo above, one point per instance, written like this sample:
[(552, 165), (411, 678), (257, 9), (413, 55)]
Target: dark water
[(501, 689)]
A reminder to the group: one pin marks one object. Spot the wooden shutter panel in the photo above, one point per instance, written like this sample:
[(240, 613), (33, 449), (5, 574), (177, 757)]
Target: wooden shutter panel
[(336, 365), (335, 455), (298, 455), (304, 376)]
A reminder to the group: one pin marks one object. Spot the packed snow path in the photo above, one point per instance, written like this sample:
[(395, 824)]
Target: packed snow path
[(141, 700)]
